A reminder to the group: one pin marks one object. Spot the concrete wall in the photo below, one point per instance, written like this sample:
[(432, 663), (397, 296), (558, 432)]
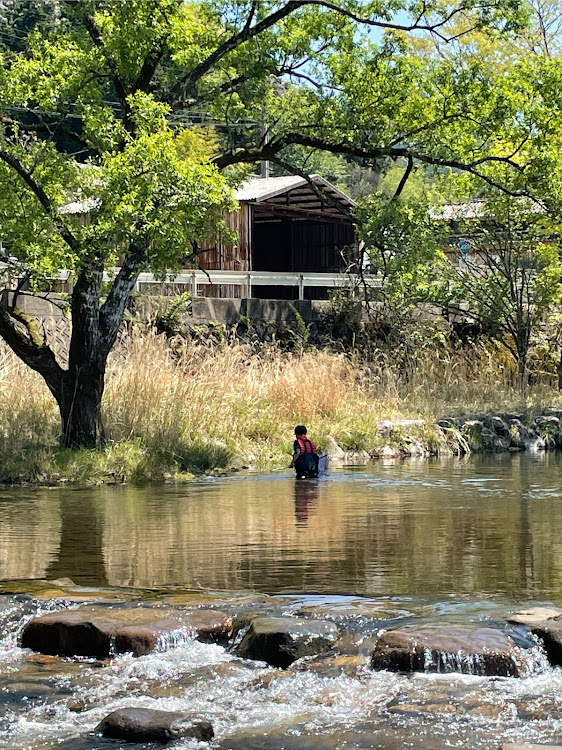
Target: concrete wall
[(32, 305), (232, 311)]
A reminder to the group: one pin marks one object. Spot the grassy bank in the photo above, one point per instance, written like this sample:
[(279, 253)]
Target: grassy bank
[(176, 409)]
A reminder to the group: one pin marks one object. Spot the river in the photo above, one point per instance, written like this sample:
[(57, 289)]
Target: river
[(456, 541)]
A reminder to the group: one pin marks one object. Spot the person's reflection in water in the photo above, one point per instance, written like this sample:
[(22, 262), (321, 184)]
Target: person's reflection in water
[(306, 499)]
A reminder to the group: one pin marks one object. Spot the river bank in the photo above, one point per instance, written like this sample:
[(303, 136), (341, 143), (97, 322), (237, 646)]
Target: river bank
[(174, 409)]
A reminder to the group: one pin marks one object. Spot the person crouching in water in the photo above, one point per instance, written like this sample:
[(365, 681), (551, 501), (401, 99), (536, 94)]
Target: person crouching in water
[(305, 455)]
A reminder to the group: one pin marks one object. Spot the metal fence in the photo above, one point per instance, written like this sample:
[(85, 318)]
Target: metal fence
[(249, 279)]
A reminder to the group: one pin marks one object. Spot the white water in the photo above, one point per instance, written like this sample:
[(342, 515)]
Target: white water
[(249, 699)]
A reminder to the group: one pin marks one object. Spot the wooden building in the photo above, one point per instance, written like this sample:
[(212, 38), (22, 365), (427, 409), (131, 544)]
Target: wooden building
[(285, 224)]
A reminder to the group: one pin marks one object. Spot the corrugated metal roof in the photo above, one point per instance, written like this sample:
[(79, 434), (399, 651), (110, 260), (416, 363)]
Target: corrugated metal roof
[(456, 211), (254, 190), (478, 210), (258, 189)]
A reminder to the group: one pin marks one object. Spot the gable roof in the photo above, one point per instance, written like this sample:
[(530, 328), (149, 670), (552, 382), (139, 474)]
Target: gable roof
[(260, 190), (257, 189)]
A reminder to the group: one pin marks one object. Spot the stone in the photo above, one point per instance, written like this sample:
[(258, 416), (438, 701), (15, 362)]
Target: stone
[(524, 438), (476, 435), (356, 458), (333, 450), (99, 632), (387, 451), (480, 651), (279, 641), (148, 725), (546, 624), (548, 428), (500, 429), (528, 746)]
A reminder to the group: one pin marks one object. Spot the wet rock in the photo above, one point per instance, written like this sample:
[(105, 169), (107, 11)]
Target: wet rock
[(148, 725), (546, 623), (481, 651), (98, 633), (528, 746), (279, 641), (548, 428), (333, 665)]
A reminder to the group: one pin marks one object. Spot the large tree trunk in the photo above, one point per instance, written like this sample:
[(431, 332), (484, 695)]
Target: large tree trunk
[(80, 408), (78, 390)]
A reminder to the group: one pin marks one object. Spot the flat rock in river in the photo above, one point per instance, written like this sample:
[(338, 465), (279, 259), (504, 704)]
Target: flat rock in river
[(100, 631), (481, 651), (280, 641), (546, 623), (148, 725)]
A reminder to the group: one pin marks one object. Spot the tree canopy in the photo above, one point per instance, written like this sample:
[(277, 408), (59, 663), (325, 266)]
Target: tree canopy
[(102, 102)]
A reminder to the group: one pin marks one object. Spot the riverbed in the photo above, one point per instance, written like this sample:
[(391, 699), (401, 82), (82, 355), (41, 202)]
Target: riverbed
[(455, 541)]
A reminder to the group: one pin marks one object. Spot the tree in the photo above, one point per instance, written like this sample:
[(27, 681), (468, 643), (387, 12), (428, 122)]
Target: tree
[(508, 278), (92, 104)]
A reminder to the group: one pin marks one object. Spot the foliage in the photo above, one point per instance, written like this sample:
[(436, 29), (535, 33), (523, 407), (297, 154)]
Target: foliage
[(402, 249), (510, 279), (103, 102)]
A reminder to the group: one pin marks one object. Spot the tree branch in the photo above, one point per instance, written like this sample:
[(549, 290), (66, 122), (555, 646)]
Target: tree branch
[(42, 197), (31, 349), (112, 311)]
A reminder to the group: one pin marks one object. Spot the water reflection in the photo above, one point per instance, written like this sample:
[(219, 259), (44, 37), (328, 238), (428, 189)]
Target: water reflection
[(30, 533), (306, 499), (482, 526)]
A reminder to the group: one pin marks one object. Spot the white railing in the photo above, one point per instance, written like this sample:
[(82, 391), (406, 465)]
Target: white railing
[(250, 279)]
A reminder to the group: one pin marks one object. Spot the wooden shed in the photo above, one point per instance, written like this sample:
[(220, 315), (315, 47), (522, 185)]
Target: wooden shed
[(285, 224)]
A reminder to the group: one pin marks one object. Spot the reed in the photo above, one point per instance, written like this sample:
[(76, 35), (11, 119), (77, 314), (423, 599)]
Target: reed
[(173, 408)]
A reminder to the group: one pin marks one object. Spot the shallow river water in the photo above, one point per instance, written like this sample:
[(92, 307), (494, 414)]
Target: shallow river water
[(425, 542)]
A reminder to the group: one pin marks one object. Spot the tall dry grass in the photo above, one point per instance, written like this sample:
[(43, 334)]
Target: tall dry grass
[(190, 407)]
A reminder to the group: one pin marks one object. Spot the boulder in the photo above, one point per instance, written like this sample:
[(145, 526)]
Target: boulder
[(479, 438), (280, 641), (548, 428), (523, 438), (99, 632), (500, 429), (546, 623), (148, 725), (333, 450), (480, 651)]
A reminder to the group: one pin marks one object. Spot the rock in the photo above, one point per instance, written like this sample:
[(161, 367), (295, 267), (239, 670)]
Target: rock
[(535, 615), (528, 746), (546, 623), (472, 430), (451, 423), (356, 458), (280, 641), (481, 651), (415, 448), (333, 450), (501, 431), (99, 632), (522, 437), (387, 451), (548, 428), (148, 725), (490, 435)]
